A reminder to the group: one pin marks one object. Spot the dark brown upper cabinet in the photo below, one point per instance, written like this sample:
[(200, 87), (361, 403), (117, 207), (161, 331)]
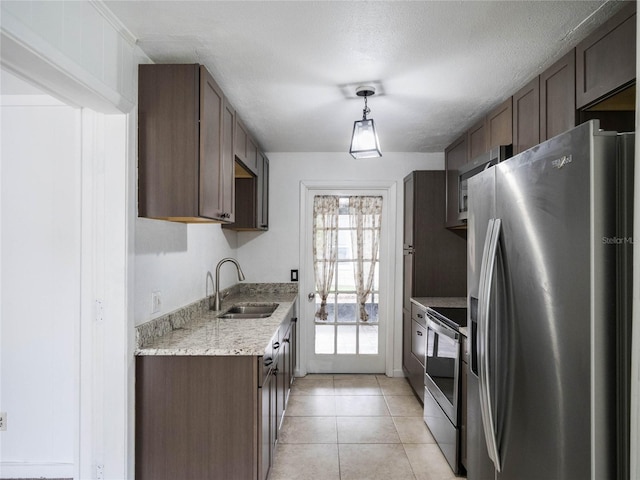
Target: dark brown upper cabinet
[(246, 150), (263, 192), (558, 97), (606, 59), (182, 174), (252, 197), (455, 156), (477, 139), (526, 117), (499, 125)]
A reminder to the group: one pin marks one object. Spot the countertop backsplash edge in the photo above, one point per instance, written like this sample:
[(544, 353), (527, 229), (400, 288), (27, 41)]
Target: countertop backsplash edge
[(155, 328)]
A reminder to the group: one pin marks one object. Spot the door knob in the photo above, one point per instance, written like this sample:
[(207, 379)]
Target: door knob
[(311, 296)]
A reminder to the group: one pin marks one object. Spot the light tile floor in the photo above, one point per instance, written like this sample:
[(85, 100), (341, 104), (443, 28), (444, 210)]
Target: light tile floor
[(356, 427)]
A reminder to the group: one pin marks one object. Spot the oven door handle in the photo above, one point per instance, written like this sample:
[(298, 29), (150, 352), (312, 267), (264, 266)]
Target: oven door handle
[(484, 304), (442, 330)]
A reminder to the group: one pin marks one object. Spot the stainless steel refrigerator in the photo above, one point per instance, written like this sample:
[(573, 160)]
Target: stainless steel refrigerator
[(549, 292)]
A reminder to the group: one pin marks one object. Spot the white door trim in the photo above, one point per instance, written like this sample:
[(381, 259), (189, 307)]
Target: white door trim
[(387, 275)]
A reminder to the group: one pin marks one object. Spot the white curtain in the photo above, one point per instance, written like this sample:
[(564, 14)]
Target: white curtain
[(325, 246), (365, 214)]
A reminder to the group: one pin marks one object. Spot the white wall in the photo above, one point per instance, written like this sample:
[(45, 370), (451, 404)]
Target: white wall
[(90, 56), (174, 258), (269, 256), (77, 51), (40, 286)]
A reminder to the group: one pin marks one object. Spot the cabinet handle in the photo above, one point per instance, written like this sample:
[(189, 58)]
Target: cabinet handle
[(225, 215), (264, 226), (420, 315), (268, 361), (276, 345), (419, 332), (294, 320)]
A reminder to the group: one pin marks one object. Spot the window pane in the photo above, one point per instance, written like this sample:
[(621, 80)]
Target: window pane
[(346, 279), (324, 339), (369, 339), (344, 245), (347, 310), (372, 310), (331, 314), (346, 339)]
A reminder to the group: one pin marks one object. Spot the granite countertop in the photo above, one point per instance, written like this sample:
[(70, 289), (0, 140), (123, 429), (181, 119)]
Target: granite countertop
[(196, 330), (443, 302)]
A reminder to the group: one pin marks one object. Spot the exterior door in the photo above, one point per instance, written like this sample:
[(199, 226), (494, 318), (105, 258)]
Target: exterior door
[(343, 342)]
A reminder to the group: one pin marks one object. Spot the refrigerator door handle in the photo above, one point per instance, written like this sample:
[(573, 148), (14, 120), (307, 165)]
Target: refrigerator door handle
[(484, 301)]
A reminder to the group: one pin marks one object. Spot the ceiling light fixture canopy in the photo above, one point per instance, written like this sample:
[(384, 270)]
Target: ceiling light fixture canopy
[(364, 140)]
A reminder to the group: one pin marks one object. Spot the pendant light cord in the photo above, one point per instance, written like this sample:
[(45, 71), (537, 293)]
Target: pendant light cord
[(366, 109)]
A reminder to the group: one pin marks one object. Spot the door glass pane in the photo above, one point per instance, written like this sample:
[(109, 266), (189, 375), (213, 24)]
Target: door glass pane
[(347, 310), (369, 339), (346, 339), (324, 339), (345, 276)]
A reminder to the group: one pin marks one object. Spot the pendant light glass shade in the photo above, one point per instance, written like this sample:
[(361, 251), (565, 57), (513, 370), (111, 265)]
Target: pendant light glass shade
[(364, 141)]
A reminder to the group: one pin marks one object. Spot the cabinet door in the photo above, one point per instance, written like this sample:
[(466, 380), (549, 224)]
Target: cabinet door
[(211, 171), (418, 339), (406, 341), (262, 209), (265, 428), (455, 156), (477, 139), (500, 125), (168, 148), (526, 117), (240, 142), (558, 97), (293, 341), (228, 200), (252, 155), (606, 59)]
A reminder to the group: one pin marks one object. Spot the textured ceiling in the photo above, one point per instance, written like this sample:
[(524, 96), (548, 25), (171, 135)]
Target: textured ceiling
[(290, 68)]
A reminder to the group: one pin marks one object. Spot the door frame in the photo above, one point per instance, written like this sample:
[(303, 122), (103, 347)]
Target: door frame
[(387, 189)]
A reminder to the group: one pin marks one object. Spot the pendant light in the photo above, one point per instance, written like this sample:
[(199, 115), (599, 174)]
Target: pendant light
[(364, 141)]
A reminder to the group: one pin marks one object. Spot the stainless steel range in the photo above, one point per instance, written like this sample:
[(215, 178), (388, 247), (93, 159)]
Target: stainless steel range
[(442, 379)]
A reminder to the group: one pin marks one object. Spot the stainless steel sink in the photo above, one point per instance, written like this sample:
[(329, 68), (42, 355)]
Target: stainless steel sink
[(262, 310)]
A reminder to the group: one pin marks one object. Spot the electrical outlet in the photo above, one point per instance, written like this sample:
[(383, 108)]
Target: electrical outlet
[(100, 472), (156, 302), (3, 421)]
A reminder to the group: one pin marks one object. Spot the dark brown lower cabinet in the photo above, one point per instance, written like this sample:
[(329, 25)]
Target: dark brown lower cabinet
[(463, 402), (212, 417), (196, 417)]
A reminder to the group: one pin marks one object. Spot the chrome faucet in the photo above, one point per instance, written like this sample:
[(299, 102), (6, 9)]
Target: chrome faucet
[(217, 301)]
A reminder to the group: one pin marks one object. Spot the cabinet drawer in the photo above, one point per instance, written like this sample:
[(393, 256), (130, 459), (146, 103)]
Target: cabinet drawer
[(418, 341), (419, 314)]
